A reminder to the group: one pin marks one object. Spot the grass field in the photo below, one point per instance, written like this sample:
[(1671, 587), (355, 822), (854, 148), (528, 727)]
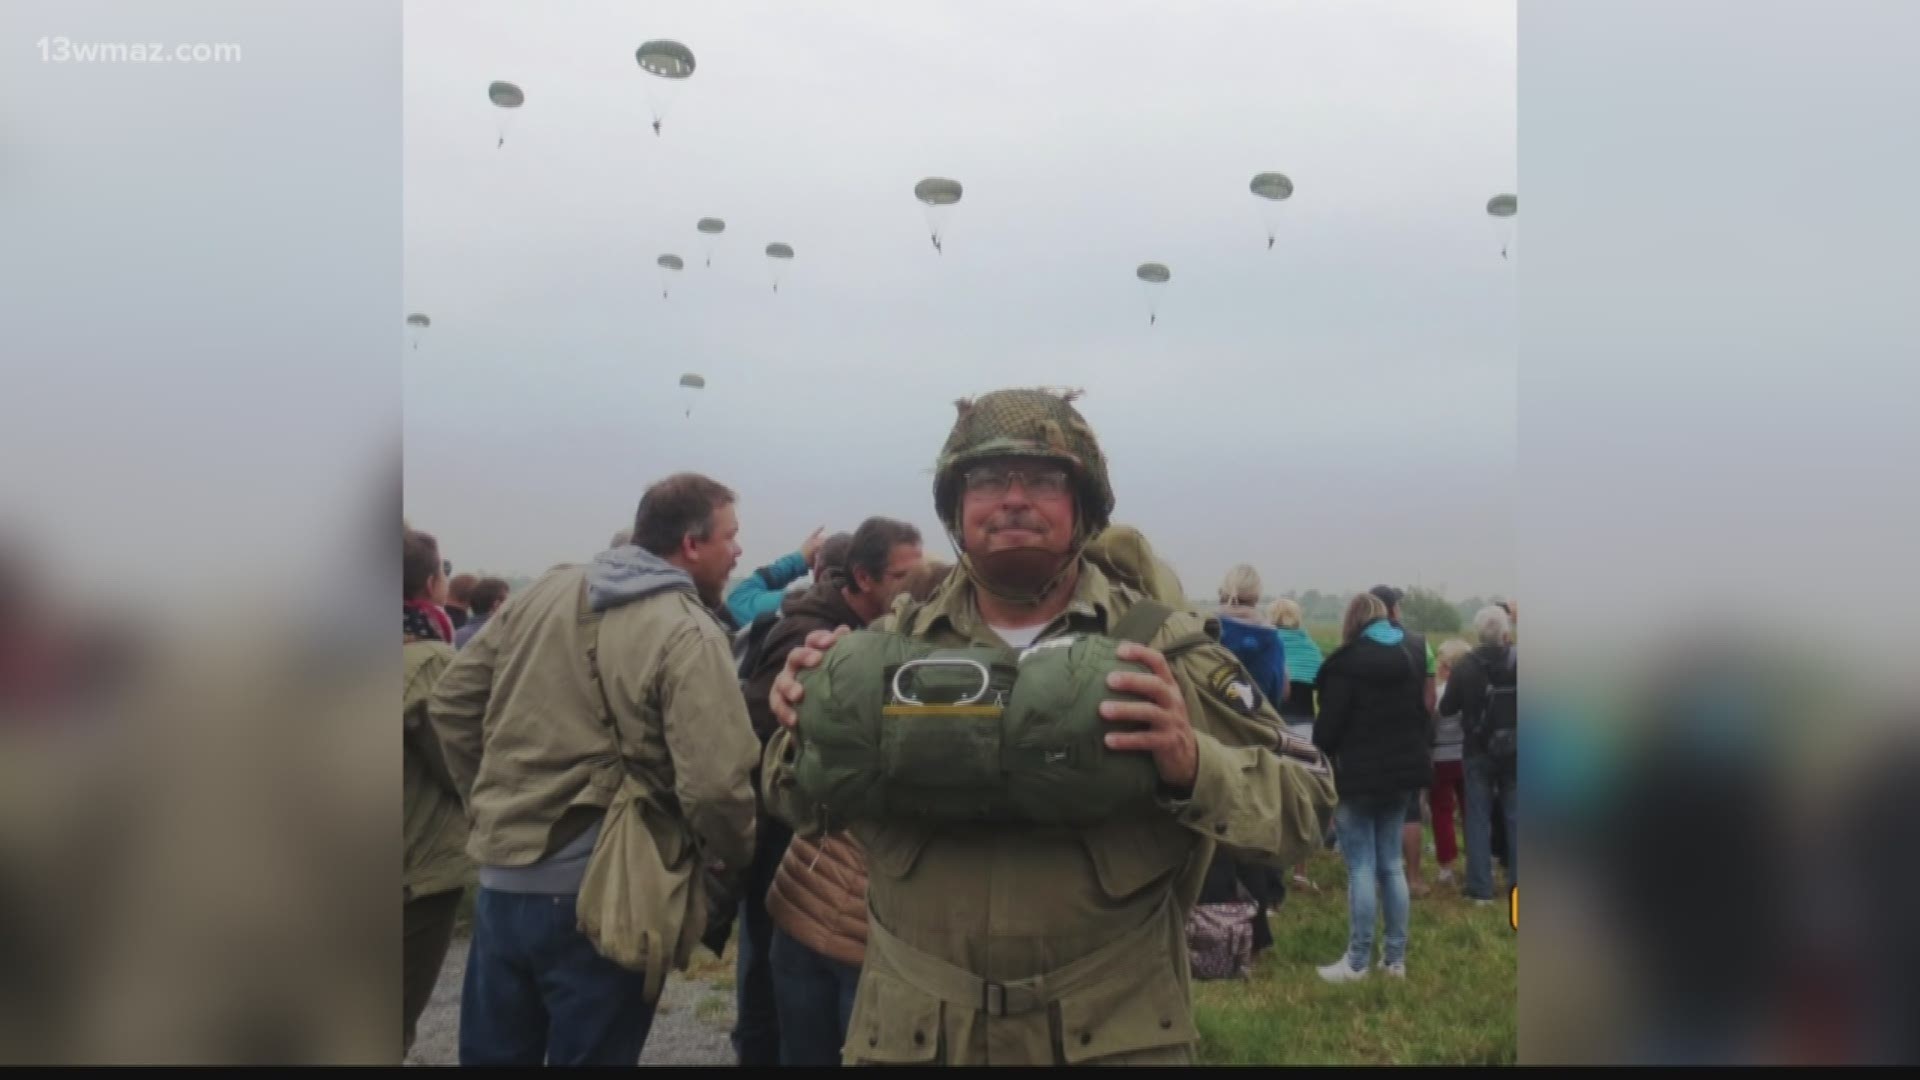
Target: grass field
[(1456, 1007)]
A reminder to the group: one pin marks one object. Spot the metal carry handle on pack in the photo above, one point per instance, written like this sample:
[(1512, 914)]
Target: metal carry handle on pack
[(986, 678)]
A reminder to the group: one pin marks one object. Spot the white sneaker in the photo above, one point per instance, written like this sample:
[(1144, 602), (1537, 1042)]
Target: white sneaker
[(1398, 971), (1342, 972), (1445, 877)]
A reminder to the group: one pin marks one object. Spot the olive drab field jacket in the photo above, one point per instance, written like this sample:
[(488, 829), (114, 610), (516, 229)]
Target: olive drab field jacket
[(1064, 945), (524, 726)]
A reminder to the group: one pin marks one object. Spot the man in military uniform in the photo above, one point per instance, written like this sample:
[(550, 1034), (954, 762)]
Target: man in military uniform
[(1029, 944)]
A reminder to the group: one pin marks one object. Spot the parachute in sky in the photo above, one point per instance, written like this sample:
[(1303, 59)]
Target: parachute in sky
[(778, 256), (690, 385), (711, 228), (1501, 210), (1273, 189), (1154, 275), (417, 323), (669, 265), (670, 63), (937, 195), (507, 97)]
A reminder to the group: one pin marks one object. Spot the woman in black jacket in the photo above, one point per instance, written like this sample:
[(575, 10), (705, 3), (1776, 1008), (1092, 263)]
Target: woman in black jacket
[(1373, 724)]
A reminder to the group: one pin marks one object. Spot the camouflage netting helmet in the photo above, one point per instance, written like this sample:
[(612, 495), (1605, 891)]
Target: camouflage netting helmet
[(1025, 423)]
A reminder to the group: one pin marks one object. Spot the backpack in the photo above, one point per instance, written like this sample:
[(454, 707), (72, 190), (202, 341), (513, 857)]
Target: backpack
[(1124, 555), (1220, 939), (750, 646), (1498, 729)]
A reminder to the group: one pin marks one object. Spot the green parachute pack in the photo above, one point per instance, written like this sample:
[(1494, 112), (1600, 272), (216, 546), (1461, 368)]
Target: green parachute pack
[(895, 727)]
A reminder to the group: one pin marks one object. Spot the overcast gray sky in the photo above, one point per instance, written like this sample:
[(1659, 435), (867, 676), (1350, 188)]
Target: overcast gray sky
[(1337, 411)]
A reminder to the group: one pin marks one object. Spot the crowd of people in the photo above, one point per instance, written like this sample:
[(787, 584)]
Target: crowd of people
[(624, 759), (1402, 731)]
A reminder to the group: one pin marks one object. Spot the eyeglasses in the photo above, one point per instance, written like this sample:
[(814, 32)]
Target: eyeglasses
[(994, 480)]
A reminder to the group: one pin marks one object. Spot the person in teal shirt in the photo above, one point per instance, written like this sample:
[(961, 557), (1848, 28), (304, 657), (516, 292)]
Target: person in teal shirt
[(1303, 666), (763, 590)]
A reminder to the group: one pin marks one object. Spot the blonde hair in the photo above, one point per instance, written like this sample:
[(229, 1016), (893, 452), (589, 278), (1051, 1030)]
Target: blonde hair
[(1242, 586), (1285, 614), (1450, 652), (1362, 611)]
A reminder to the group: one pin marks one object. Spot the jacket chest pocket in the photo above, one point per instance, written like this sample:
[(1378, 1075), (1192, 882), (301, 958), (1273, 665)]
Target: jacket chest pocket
[(1128, 856)]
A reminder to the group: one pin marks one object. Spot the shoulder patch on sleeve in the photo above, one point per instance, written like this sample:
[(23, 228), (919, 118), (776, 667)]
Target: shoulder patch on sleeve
[(1229, 682)]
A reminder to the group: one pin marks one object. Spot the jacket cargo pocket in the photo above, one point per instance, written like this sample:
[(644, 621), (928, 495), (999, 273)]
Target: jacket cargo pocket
[(1128, 856), (893, 1023), (1147, 1020)]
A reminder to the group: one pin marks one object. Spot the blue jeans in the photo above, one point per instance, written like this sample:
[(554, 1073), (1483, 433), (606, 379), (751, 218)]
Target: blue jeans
[(756, 1029), (537, 993), (1483, 779), (1369, 831), (815, 997)]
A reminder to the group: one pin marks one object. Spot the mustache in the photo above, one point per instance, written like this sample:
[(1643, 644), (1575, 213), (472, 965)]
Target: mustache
[(1028, 522)]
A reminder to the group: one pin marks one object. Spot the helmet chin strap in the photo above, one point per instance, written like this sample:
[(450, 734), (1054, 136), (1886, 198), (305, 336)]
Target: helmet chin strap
[(1014, 596)]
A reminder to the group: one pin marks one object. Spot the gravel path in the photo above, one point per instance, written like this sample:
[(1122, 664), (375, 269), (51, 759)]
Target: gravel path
[(680, 1035)]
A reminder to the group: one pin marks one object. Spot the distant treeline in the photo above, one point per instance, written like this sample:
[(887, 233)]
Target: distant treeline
[(1423, 609)]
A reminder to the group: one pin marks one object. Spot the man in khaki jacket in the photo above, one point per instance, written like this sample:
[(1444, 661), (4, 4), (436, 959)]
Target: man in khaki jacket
[(1025, 945), (616, 668)]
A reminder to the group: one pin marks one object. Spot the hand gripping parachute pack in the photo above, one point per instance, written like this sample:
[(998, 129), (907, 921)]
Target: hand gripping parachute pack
[(894, 727)]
